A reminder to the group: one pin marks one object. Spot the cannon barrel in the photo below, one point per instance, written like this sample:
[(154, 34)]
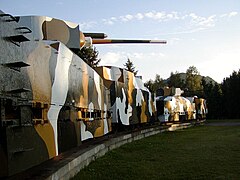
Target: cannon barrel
[(127, 41), (95, 35), (88, 39)]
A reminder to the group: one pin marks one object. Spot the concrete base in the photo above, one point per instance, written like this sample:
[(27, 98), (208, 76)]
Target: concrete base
[(69, 164), (72, 168)]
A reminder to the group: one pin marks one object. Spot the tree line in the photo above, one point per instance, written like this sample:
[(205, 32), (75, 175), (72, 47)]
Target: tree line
[(223, 100)]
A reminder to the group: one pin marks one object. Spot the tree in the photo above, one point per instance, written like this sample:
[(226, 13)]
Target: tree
[(231, 96), (89, 55), (193, 81), (158, 83), (213, 95), (149, 84), (129, 67), (175, 80)]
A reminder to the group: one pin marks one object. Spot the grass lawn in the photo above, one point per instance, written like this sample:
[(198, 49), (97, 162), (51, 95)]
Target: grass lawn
[(223, 120), (202, 152)]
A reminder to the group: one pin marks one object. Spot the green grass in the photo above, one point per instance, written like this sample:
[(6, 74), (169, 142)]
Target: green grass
[(223, 120), (203, 152)]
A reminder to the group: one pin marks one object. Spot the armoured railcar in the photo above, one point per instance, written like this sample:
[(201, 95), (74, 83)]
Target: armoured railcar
[(172, 107), (50, 99)]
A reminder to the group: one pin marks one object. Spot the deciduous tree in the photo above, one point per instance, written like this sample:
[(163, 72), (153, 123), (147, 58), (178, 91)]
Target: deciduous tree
[(193, 81)]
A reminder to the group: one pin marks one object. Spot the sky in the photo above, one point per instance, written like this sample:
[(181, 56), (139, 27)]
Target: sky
[(203, 33)]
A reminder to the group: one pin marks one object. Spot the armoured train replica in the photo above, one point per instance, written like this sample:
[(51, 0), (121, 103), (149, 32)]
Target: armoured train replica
[(172, 107), (51, 100)]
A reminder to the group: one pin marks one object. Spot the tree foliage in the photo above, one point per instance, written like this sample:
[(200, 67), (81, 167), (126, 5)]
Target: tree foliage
[(213, 94), (193, 81), (130, 67), (223, 100), (175, 80), (156, 84), (149, 84), (89, 55), (231, 96)]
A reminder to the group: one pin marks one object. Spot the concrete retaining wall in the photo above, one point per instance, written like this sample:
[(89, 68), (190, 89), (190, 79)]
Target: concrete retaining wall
[(81, 159)]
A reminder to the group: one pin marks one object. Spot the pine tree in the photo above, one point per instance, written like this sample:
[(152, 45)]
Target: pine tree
[(89, 55), (130, 67), (231, 96)]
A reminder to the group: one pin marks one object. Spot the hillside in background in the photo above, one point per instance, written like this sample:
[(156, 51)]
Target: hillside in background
[(184, 75), (207, 78)]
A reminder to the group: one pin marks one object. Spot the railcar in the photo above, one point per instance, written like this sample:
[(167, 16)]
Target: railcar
[(172, 107), (50, 99), (131, 102)]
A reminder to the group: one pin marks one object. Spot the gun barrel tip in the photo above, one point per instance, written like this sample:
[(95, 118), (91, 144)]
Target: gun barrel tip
[(105, 35), (159, 41)]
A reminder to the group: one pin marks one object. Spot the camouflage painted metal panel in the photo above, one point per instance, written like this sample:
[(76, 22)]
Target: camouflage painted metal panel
[(51, 98), (47, 28), (72, 84), (19, 140), (131, 102), (56, 102), (178, 108), (201, 108)]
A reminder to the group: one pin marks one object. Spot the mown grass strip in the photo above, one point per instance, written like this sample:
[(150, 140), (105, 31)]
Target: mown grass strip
[(203, 152)]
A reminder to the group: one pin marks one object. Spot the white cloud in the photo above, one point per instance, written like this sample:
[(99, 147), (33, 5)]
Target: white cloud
[(126, 18), (170, 16), (149, 14), (113, 18), (193, 16), (191, 22), (108, 21), (175, 15), (159, 15), (129, 17), (201, 21), (231, 14), (117, 58), (87, 25), (136, 56), (208, 22), (162, 16), (111, 58), (139, 16), (195, 19)]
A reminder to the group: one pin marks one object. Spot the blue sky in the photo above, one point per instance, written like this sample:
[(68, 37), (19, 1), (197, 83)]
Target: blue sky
[(204, 33)]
